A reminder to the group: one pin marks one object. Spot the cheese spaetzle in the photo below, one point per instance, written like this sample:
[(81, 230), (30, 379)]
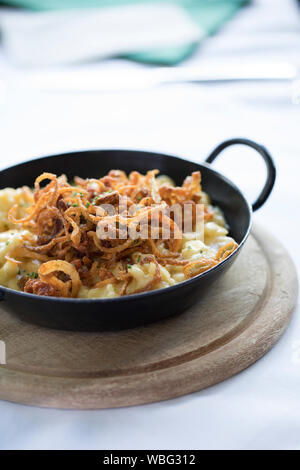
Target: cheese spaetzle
[(108, 237)]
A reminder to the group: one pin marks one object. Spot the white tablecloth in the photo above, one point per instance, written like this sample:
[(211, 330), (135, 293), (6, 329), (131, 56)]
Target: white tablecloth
[(260, 407)]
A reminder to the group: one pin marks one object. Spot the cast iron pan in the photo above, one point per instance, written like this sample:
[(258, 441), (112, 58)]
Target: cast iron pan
[(138, 309)]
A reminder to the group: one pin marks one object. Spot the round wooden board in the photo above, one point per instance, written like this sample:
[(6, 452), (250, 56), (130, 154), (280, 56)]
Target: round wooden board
[(237, 322)]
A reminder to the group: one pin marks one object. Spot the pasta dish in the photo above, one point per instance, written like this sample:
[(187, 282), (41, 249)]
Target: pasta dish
[(108, 237)]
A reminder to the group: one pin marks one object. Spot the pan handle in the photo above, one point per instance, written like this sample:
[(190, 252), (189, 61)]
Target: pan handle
[(271, 170)]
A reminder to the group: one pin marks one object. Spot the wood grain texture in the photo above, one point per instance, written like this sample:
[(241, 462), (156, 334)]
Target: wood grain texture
[(235, 324)]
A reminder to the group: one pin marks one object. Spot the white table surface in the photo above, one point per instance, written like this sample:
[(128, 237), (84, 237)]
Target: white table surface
[(260, 407)]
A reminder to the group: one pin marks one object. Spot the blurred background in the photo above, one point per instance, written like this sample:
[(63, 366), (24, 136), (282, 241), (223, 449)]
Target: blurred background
[(174, 76)]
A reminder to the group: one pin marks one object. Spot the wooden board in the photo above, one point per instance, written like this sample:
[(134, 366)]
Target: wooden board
[(237, 322)]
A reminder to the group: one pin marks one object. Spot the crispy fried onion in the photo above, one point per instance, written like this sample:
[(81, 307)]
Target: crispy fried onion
[(62, 276), (198, 267), (226, 250), (65, 220)]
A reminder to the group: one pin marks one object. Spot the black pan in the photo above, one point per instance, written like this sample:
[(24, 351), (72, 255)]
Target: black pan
[(138, 309)]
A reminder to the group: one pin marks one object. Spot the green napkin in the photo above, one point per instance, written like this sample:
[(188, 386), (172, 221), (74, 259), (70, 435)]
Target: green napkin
[(208, 14)]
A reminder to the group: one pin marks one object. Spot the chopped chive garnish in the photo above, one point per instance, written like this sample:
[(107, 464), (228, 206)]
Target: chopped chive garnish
[(87, 204), (129, 266), (74, 193), (139, 258), (19, 271), (33, 275), (75, 205), (81, 194), (7, 243)]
